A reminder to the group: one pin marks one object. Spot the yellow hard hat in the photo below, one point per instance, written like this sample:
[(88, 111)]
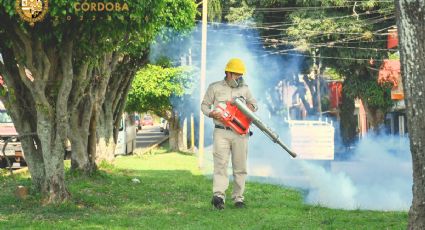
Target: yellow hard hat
[(235, 65)]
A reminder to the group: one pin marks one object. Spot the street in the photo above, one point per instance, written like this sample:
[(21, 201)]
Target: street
[(148, 136)]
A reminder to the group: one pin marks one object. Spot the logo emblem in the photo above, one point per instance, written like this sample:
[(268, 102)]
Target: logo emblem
[(32, 11)]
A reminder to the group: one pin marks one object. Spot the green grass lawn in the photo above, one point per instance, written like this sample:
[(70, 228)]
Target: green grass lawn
[(173, 194)]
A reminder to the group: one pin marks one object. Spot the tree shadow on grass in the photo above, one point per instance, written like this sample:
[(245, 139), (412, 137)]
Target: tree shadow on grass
[(171, 199), (109, 199)]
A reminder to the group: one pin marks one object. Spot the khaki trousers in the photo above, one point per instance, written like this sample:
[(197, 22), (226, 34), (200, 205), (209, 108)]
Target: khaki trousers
[(226, 143)]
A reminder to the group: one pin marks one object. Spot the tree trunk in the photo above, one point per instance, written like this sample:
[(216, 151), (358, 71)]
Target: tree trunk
[(79, 157), (52, 148), (79, 134), (40, 80), (24, 118), (348, 121), (46, 82), (173, 135), (33, 156), (176, 134), (92, 141), (106, 143), (312, 87), (411, 28), (35, 163), (302, 91), (375, 117), (112, 107)]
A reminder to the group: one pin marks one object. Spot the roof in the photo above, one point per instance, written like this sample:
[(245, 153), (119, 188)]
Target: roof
[(389, 72)]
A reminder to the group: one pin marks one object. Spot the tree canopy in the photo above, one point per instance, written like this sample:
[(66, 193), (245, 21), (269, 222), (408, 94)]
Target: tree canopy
[(154, 86), (68, 77)]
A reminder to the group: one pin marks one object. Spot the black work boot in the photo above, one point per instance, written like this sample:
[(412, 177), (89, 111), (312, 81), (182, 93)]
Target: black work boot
[(218, 202), (239, 204)]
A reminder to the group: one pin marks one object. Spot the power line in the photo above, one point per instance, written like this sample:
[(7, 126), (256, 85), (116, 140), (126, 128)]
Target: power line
[(342, 47), (382, 12), (319, 57), (300, 8), (294, 8), (329, 44), (282, 41), (348, 40), (276, 24), (270, 28), (359, 48)]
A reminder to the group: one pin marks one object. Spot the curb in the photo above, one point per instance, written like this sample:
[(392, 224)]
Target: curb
[(152, 147)]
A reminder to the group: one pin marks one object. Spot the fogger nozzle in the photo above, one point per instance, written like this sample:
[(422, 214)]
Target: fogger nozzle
[(240, 103)]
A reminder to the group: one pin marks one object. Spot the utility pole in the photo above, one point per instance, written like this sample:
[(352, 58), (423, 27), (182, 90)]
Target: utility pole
[(192, 120), (183, 62), (202, 81), (192, 133), (316, 71), (319, 93)]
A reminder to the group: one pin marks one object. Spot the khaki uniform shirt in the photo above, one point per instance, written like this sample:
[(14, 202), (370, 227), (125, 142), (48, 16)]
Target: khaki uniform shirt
[(220, 92)]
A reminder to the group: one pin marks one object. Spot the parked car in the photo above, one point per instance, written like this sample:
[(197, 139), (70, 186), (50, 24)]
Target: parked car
[(147, 120), (126, 141), (137, 122), (13, 150), (163, 126)]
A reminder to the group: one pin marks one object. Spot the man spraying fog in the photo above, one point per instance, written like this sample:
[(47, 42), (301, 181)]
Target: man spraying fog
[(227, 142)]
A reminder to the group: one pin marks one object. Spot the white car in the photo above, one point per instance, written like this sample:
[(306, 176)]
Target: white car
[(126, 142), (163, 126)]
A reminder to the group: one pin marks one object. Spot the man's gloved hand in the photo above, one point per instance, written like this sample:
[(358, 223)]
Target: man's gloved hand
[(215, 115)]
